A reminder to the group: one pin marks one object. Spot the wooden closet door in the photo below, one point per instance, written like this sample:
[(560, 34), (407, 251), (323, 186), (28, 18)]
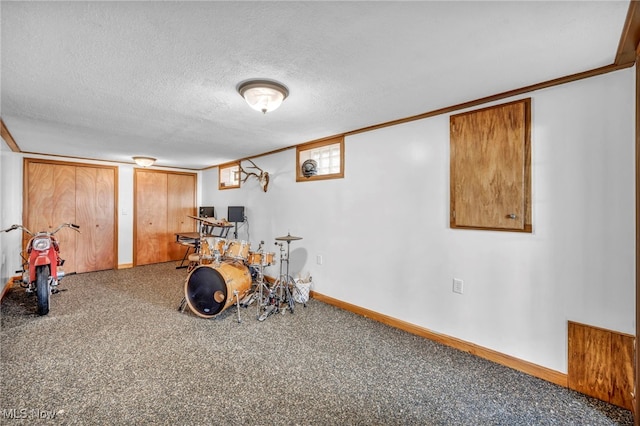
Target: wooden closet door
[(181, 202), (95, 207), (50, 201), (151, 217)]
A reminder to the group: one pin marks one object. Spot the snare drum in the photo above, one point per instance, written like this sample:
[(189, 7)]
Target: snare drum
[(260, 258), (237, 250)]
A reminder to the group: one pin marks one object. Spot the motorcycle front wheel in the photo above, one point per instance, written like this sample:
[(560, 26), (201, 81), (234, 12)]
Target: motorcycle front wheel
[(42, 289)]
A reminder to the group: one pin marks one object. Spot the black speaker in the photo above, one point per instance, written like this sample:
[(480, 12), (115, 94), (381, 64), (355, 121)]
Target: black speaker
[(207, 212), (235, 214)]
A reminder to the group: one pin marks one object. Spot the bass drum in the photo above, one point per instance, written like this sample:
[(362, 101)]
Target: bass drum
[(209, 289)]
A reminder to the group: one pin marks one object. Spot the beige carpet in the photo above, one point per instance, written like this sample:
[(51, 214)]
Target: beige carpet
[(115, 350)]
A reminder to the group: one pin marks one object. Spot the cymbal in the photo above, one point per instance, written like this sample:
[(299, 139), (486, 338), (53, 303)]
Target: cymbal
[(288, 238)]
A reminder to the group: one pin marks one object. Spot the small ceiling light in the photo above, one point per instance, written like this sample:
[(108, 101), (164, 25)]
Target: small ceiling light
[(144, 161), (263, 95)]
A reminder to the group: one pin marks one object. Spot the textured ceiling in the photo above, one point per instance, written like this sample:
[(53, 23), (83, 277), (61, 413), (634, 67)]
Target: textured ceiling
[(110, 80)]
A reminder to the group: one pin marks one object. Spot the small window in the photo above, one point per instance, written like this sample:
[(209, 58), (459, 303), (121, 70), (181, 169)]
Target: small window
[(320, 160), (229, 176)]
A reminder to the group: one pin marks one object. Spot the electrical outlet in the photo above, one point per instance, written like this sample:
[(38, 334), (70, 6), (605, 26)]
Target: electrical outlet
[(458, 286), (319, 259)]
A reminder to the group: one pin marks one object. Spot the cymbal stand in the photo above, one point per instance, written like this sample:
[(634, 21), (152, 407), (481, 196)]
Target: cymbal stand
[(285, 282), (260, 288)]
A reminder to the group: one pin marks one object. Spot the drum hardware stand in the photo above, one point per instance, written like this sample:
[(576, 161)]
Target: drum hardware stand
[(268, 301), (183, 304), (261, 290), (248, 300), (281, 287), (285, 283), (235, 293), (258, 292)]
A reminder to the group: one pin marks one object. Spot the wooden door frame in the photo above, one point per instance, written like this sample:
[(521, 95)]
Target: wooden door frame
[(25, 185), (636, 402)]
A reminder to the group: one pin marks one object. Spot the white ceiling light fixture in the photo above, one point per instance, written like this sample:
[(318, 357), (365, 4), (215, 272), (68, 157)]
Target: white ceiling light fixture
[(144, 161), (263, 95)]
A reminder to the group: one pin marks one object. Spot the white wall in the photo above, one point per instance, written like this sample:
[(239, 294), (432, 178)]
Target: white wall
[(10, 212), (125, 214), (385, 241), (386, 244)]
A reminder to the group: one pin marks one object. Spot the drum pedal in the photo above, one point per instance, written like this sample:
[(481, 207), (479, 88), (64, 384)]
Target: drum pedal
[(267, 311), (248, 300)]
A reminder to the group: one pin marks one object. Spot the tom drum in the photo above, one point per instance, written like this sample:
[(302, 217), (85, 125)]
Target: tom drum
[(254, 259), (237, 250), (218, 245), (268, 258), (206, 251)]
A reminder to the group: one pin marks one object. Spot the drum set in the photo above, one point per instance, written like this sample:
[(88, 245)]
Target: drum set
[(226, 272)]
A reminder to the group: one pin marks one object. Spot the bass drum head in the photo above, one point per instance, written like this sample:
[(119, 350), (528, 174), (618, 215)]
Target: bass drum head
[(206, 291)]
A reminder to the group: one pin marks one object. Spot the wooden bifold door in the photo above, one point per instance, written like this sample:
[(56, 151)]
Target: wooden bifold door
[(163, 202), (84, 194)]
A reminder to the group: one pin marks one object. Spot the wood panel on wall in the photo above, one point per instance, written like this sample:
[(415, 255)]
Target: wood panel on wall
[(83, 194), (490, 168), (600, 364), (162, 202)]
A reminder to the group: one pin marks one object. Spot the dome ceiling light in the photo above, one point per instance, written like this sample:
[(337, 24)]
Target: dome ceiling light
[(263, 95), (144, 161)]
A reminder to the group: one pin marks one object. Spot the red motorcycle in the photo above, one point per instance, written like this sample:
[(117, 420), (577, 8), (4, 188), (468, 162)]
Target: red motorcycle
[(42, 270)]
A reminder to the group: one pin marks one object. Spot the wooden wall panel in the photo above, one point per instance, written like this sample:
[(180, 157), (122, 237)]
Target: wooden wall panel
[(600, 363), (490, 160), (622, 374), (589, 354)]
